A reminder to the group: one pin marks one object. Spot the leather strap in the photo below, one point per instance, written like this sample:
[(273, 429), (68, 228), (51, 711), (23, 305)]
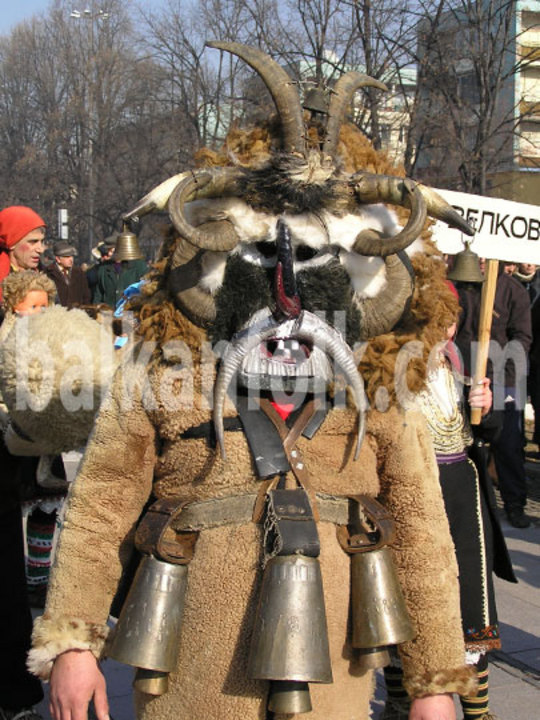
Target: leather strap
[(289, 438), (375, 527), (156, 536)]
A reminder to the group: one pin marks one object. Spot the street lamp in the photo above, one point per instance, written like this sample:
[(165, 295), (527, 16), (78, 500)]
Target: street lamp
[(90, 14)]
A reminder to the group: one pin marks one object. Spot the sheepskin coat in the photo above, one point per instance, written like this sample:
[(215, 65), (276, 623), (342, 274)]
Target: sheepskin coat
[(138, 450)]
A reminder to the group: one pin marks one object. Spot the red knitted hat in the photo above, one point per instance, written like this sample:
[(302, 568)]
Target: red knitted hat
[(16, 222)]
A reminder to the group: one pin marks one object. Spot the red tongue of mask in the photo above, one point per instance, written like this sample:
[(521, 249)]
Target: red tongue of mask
[(283, 409)]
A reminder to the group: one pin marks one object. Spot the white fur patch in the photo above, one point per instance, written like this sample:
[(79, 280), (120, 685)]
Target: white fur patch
[(368, 274), (213, 270)]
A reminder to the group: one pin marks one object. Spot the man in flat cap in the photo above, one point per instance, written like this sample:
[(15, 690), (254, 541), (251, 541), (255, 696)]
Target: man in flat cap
[(71, 284)]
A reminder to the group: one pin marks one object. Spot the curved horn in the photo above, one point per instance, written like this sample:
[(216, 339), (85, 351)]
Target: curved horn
[(281, 88), (205, 184), (381, 313), (441, 210), (156, 199), (370, 242), (372, 188), (183, 282), (342, 94), (307, 327)]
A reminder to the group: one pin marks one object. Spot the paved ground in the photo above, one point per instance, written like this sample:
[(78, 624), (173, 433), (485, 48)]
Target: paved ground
[(515, 670)]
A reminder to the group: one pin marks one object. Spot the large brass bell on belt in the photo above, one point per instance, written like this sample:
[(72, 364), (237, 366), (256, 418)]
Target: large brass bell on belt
[(379, 615), (290, 638), (148, 629), (147, 634), (466, 267)]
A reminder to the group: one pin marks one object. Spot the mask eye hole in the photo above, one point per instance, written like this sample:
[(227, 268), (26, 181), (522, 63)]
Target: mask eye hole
[(305, 252), (267, 249)]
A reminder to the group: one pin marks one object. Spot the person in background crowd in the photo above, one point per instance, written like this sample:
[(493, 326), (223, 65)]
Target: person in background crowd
[(22, 235), (42, 481), (46, 259), (509, 268), (529, 276), (125, 267), (511, 329), (472, 516), (22, 232), (71, 283), (102, 253)]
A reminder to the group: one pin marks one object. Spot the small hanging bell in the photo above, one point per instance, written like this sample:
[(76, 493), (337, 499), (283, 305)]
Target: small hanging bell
[(466, 267)]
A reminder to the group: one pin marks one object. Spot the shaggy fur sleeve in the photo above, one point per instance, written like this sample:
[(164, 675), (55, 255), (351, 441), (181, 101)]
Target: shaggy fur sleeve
[(103, 506), (434, 661)]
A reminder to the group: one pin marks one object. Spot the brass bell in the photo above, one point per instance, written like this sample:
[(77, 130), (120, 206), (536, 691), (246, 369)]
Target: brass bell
[(290, 636), (466, 267), (379, 614), (148, 629), (289, 697), (127, 246)]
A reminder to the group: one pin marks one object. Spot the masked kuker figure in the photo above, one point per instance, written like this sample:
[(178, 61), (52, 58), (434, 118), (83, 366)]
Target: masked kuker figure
[(263, 512)]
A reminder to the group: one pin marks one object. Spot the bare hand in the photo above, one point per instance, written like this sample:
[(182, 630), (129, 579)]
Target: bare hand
[(433, 707), (76, 680), (481, 396)]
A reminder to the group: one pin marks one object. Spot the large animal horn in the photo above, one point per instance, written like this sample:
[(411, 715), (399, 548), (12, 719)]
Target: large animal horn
[(369, 242), (183, 280), (340, 100), (381, 313), (205, 184), (373, 188), (281, 88)]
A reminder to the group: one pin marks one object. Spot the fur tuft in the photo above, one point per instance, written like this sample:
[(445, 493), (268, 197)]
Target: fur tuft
[(51, 638), (462, 681)]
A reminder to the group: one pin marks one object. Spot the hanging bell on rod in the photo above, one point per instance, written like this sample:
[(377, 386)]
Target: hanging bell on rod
[(466, 267)]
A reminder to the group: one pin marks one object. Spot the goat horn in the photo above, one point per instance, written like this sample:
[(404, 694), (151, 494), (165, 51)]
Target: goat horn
[(183, 282), (340, 100), (205, 184), (369, 243), (156, 199), (381, 313), (281, 88), (371, 188)]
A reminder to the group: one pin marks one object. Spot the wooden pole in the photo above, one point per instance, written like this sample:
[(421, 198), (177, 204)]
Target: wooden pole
[(484, 329)]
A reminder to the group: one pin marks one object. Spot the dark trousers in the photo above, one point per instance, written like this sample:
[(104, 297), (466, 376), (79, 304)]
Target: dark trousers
[(509, 458), (18, 689)]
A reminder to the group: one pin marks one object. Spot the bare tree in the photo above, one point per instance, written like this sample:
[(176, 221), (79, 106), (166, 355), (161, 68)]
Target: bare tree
[(468, 112)]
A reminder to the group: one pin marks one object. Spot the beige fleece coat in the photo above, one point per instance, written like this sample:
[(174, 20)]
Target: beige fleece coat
[(134, 451)]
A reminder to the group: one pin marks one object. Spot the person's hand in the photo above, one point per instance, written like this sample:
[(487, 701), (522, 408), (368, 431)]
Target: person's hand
[(481, 396), (433, 707), (76, 680)]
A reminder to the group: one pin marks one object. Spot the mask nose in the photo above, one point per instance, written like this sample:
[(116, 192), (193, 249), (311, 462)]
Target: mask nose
[(288, 304)]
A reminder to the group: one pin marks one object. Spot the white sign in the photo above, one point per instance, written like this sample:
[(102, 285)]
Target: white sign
[(505, 230), (63, 227)]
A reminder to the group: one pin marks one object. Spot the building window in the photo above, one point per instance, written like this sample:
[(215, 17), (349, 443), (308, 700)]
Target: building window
[(386, 132), (468, 88)]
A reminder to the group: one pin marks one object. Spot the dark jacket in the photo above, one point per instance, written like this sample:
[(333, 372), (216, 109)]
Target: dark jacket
[(511, 321), (71, 289), (113, 279)]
